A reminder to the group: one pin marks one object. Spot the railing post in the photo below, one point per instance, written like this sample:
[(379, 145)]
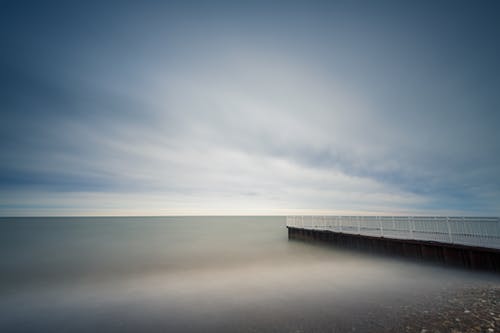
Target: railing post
[(380, 225), (410, 219), (359, 227), (465, 228), (449, 229)]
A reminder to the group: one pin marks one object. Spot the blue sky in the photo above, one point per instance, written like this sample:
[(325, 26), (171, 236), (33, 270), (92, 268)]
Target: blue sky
[(308, 107)]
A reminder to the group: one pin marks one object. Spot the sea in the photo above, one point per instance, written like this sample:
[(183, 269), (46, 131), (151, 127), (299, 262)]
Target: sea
[(200, 274)]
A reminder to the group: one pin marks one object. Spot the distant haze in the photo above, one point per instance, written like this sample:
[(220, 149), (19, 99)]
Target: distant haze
[(292, 107)]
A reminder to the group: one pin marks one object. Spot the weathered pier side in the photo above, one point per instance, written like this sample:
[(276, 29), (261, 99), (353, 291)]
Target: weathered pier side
[(472, 242)]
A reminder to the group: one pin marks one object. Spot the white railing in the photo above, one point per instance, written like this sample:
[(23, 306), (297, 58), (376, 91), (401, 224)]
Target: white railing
[(472, 231)]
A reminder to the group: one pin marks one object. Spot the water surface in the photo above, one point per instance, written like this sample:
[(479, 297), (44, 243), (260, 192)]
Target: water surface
[(197, 274)]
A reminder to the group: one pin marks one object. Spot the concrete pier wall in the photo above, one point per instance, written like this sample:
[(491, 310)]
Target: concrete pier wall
[(449, 254)]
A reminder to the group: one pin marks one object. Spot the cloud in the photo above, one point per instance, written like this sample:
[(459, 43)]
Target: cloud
[(260, 114)]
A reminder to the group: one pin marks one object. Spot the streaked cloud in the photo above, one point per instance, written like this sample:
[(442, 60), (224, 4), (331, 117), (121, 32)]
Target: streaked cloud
[(249, 109)]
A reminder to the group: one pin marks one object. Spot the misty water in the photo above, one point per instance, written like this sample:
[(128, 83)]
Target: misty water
[(197, 274)]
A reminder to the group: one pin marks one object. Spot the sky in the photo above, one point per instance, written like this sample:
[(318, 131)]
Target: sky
[(249, 108)]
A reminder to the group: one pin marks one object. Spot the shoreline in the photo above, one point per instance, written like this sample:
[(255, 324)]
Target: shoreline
[(465, 309)]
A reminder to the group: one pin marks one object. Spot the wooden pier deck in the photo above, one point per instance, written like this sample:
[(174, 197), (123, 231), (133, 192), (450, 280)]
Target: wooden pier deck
[(472, 242)]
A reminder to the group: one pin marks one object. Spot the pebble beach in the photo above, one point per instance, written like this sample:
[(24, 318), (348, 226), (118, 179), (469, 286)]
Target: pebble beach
[(468, 309)]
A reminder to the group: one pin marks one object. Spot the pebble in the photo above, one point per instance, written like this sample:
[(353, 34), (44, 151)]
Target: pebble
[(467, 309)]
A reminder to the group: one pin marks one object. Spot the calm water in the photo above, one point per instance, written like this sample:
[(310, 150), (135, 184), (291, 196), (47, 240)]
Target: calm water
[(196, 274)]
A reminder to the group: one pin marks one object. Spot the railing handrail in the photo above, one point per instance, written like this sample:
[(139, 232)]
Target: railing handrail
[(481, 231)]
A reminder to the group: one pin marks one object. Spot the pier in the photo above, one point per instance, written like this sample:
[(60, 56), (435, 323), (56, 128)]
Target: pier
[(472, 242)]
